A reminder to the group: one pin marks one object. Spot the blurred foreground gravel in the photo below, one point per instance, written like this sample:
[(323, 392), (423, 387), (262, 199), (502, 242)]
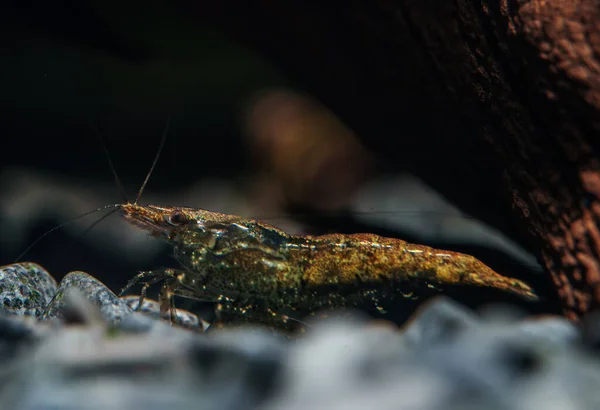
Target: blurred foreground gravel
[(76, 345)]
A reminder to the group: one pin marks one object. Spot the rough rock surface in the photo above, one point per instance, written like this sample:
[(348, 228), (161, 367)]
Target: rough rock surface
[(109, 304), (112, 309), (25, 288)]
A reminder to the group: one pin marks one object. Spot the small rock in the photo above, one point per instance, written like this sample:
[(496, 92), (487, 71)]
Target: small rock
[(552, 329), (26, 288), (436, 321), (341, 364), (80, 368), (112, 309), (19, 336), (151, 307), (17, 332), (491, 364), (245, 359), (485, 365)]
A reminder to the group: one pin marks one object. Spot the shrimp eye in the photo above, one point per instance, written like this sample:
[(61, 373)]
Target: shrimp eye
[(176, 218)]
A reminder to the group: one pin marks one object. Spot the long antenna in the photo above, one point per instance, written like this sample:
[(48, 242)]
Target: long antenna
[(63, 224), (112, 166), (93, 225), (162, 144)]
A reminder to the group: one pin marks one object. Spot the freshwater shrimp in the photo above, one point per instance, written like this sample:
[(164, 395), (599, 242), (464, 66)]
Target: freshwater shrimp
[(256, 272)]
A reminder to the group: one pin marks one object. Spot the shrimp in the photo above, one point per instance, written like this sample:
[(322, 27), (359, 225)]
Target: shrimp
[(258, 273)]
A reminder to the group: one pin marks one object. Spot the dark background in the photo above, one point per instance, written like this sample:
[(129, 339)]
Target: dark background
[(73, 70)]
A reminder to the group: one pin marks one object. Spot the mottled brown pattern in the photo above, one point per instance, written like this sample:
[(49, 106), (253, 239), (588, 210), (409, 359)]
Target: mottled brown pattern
[(258, 272)]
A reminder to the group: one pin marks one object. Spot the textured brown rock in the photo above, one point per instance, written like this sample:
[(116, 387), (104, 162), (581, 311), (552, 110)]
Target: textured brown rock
[(522, 77)]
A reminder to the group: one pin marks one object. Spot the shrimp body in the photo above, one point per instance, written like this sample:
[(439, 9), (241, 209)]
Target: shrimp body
[(257, 272)]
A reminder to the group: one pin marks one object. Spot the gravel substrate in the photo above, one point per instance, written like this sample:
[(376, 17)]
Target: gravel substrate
[(79, 346)]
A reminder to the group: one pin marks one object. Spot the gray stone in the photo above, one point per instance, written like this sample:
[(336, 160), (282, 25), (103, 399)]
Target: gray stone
[(25, 288), (487, 365), (151, 307), (438, 320), (109, 305), (83, 367), (111, 309), (499, 363), (551, 329), (343, 364)]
